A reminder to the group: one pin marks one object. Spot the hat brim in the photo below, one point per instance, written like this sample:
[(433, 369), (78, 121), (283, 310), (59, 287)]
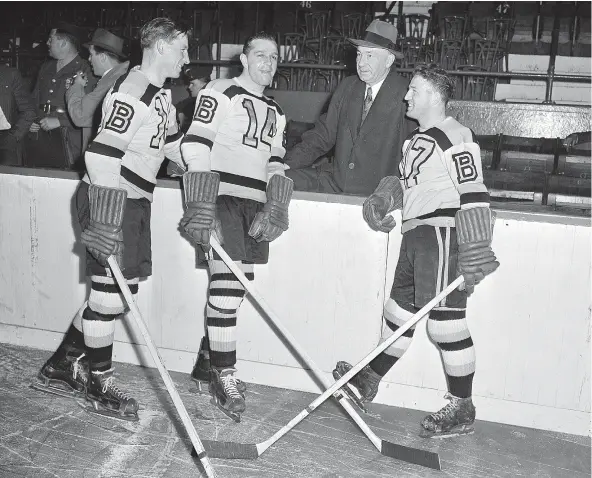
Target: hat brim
[(369, 44), (121, 55)]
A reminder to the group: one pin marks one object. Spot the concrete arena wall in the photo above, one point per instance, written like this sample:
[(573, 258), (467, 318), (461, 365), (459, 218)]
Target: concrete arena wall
[(327, 281)]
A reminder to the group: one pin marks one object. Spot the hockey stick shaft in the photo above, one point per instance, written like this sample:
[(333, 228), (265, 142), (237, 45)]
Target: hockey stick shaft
[(332, 389), (170, 386)]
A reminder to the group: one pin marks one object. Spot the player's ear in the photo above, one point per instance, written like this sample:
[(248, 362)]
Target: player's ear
[(243, 60), (160, 46)]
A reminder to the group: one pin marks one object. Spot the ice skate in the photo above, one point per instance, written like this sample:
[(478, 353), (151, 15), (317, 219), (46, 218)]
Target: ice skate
[(201, 370), (65, 377), (224, 392), (106, 399), (456, 418), (362, 388)]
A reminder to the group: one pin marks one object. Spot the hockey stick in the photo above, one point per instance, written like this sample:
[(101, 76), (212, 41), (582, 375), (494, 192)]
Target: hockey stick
[(135, 313), (252, 451)]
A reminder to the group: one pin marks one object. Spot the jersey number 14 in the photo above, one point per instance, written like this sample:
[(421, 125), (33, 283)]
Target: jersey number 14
[(269, 127)]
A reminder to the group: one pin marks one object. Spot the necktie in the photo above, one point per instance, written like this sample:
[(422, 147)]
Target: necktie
[(367, 103)]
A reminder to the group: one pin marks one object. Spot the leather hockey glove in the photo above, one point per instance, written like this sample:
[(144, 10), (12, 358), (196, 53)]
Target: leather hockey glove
[(387, 197), (269, 223), (103, 236), (474, 230), (200, 219)]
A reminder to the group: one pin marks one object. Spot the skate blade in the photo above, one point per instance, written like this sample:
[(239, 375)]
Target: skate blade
[(464, 430), (350, 392), (235, 416), (54, 390), (103, 412)]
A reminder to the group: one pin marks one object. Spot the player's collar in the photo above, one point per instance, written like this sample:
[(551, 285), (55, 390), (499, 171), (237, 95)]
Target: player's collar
[(256, 93)]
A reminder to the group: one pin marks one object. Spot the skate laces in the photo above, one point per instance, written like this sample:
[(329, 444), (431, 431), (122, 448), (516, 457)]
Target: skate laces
[(448, 410), (229, 382), (109, 386), (78, 369)]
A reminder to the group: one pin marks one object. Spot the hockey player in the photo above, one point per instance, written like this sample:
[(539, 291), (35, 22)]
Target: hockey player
[(447, 229), (113, 201), (235, 186)]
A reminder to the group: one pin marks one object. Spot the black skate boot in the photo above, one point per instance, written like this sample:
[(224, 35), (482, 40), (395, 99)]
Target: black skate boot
[(201, 370), (225, 394), (456, 418), (362, 388), (106, 399), (64, 374)]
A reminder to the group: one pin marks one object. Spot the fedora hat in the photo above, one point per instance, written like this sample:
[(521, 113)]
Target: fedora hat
[(379, 34), (107, 41)]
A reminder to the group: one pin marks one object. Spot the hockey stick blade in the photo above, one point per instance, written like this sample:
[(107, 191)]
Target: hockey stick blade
[(252, 451), (335, 388), (416, 456)]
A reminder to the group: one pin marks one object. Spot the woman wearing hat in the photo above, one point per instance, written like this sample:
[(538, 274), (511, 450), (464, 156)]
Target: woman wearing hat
[(107, 60), (196, 77)]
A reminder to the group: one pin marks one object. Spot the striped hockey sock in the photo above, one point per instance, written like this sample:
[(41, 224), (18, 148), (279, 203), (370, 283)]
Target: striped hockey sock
[(105, 304), (449, 329), (226, 294), (394, 317)]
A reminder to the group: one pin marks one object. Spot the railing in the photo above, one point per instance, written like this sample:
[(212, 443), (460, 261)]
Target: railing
[(548, 77)]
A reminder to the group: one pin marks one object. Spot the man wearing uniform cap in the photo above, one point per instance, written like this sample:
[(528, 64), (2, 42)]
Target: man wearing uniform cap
[(54, 140), (108, 62), (365, 123)]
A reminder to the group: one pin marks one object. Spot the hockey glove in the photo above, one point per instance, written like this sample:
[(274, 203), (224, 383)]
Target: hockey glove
[(387, 197), (200, 219), (476, 260), (103, 236), (269, 223)]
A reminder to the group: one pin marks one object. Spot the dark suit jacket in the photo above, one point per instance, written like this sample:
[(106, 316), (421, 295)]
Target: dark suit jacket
[(16, 103), (366, 154)]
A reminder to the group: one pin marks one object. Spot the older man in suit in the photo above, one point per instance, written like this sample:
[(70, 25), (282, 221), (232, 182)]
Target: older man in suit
[(17, 113), (108, 62), (365, 123)]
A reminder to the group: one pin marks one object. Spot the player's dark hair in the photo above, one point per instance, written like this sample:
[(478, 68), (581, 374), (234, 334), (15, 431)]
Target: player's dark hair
[(98, 50), (162, 28), (248, 46), (438, 78)]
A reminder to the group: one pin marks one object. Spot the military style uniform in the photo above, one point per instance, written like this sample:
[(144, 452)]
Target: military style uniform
[(60, 147)]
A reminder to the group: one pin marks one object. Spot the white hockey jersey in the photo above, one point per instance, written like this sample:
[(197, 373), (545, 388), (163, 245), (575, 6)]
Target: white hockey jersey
[(440, 173), (238, 134), (138, 128)]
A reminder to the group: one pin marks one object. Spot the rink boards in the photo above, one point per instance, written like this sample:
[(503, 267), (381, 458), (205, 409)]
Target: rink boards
[(327, 281)]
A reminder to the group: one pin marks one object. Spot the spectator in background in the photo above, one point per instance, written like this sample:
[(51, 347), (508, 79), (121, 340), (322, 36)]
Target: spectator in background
[(196, 77), (17, 113), (55, 141), (108, 63), (365, 123)]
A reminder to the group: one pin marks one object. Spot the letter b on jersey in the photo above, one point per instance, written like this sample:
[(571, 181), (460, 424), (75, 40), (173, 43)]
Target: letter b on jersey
[(121, 117), (205, 109), (465, 167)]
